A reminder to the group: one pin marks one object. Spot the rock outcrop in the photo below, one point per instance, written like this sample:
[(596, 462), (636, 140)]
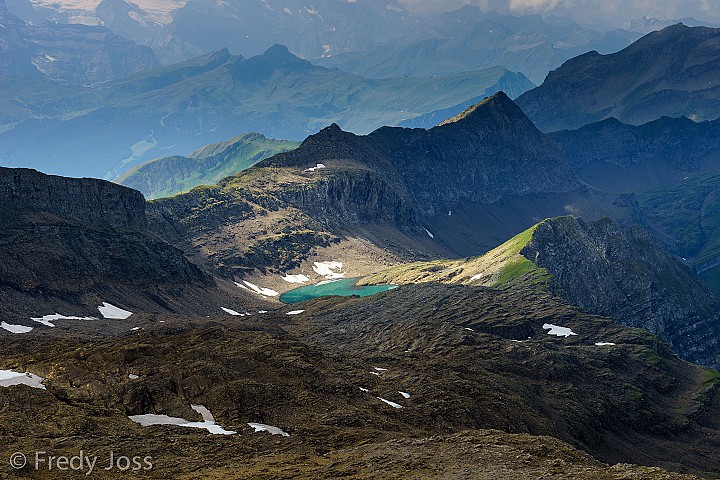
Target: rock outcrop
[(605, 269), (625, 274), (67, 240), (488, 152)]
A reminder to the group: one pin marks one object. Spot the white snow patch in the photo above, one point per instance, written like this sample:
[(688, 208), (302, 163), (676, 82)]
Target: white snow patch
[(261, 427), (329, 270), (476, 277), (132, 376), (375, 373), (404, 394), (267, 292), (262, 311), (49, 58), (429, 234), (135, 329), (379, 369), (392, 404), (558, 331), (604, 344), (208, 422), (48, 319), (112, 312), (8, 378), (15, 328), (295, 278), (325, 282), (364, 389), (319, 166), (295, 312), (466, 328), (232, 312), (287, 10)]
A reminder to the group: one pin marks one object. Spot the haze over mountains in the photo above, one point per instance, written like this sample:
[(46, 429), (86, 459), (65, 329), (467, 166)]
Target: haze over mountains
[(75, 54), (106, 130), (380, 40), (549, 267)]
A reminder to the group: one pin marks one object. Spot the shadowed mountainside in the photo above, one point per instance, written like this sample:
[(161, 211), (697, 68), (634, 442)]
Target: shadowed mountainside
[(674, 73)]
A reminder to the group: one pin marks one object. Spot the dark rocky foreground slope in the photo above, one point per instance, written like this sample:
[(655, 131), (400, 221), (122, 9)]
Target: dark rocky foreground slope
[(72, 243), (672, 72), (470, 358)]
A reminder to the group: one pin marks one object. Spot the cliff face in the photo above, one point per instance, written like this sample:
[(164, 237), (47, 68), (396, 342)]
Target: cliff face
[(66, 238), (624, 274), (84, 200)]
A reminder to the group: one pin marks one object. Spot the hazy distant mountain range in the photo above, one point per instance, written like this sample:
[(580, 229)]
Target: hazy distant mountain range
[(471, 39), (374, 38), (103, 131), (76, 54)]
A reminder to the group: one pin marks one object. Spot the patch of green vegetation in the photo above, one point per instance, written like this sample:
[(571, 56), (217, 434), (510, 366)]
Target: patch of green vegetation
[(688, 215), (503, 266), (168, 176), (521, 270)]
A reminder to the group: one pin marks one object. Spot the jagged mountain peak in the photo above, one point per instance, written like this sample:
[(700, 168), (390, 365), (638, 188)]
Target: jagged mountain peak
[(496, 106), (279, 55)]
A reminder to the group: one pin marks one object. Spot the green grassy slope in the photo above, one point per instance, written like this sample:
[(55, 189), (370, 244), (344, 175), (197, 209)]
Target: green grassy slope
[(503, 266), (169, 176)]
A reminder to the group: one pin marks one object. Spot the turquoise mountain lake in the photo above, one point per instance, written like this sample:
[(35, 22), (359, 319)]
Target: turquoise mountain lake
[(343, 288)]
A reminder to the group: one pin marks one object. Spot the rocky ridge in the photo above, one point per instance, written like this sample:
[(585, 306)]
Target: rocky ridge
[(618, 272), (276, 214)]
